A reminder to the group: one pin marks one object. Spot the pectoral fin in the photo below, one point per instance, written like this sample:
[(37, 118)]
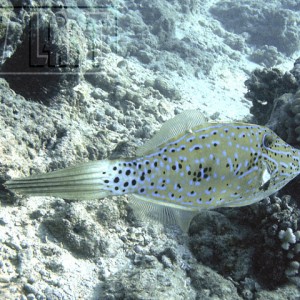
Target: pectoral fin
[(146, 210)]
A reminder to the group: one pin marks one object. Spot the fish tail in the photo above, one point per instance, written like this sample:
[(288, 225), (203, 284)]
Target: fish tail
[(85, 181)]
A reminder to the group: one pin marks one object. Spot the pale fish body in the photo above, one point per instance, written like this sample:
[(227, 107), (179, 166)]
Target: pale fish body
[(190, 164)]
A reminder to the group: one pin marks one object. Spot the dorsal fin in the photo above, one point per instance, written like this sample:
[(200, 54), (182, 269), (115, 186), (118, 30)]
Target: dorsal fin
[(145, 210), (178, 125)]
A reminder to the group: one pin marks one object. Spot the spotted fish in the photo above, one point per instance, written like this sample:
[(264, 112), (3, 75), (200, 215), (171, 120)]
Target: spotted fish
[(190, 164)]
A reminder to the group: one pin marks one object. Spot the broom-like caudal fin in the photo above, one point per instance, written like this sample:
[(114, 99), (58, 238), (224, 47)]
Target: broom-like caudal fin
[(82, 182)]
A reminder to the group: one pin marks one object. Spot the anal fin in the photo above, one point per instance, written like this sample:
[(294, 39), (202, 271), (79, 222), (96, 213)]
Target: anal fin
[(146, 210)]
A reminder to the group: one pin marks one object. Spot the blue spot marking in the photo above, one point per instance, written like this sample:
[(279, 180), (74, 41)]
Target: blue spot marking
[(170, 196), (207, 192), (210, 201), (162, 188), (195, 146), (230, 164), (249, 172), (189, 194), (190, 139), (234, 196), (224, 152)]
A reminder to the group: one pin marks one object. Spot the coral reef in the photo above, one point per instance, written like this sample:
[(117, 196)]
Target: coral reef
[(268, 231), (264, 86), (275, 98)]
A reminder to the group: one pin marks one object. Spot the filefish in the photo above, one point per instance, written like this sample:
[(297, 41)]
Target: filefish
[(189, 165)]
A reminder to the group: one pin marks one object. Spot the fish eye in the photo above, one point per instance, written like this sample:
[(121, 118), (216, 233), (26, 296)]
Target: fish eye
[(268, 139)]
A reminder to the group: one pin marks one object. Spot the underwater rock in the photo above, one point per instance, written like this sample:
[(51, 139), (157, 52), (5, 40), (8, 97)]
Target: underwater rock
[(76, 231), (166, 89), (267, 56), (245, 242), (210, 285), (161, 16), (221, 245), (10, 29), (265, 25)]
